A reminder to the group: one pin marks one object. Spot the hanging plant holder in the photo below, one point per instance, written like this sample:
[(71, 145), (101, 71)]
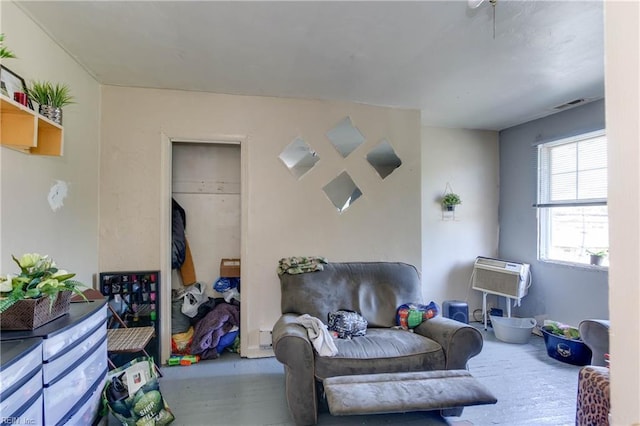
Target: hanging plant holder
[(449, 201)]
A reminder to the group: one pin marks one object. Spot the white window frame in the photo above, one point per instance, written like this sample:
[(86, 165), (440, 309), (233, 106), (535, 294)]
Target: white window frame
[(545, 205)]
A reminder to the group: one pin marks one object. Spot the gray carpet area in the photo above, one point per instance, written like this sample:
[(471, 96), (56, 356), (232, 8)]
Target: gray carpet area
[(532, 389)]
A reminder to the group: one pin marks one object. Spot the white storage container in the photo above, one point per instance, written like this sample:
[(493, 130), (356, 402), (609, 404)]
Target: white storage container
[(61, 395), (86, 415), (19, 358), (29, 414), (60, 363), (26, 390), (513, 330), (56, 343)]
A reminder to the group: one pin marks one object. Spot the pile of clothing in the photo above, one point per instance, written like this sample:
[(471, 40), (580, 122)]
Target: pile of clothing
[(204, 326)]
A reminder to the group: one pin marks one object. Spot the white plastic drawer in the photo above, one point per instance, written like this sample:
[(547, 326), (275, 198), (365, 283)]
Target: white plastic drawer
[(13, 402), (29, 414), (58, 343), (52, 369), (89, 410), (61, 395), (17, 370)]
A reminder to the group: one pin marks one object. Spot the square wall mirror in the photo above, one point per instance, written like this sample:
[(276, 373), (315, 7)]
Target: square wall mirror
[(298, 157), (342, 191), (384, 159), (345, 137)]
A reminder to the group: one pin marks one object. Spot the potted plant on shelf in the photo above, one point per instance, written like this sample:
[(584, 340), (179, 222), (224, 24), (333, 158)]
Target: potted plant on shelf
[(596, 257), (5, 53), (450, 201), (51, 98), (38, 294)]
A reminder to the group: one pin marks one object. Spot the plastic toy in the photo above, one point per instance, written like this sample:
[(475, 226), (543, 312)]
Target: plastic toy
[(183, 360)]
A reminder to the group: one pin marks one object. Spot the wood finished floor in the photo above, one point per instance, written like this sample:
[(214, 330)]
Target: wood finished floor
[(532, 389)]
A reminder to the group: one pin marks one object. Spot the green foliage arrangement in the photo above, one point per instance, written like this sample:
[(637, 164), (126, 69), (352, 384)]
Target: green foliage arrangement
[(599, 253), (451, 199), (562, 330), (39, 276), (46, 93), (5, 53)]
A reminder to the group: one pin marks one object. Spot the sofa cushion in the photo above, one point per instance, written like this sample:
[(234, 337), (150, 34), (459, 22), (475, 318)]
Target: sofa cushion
[(381, 350), (373, 289)]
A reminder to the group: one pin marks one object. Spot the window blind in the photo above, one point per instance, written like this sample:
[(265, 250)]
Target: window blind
[(573, 172)]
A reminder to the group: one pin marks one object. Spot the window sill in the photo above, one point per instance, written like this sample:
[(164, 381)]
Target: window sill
[(574, 265)]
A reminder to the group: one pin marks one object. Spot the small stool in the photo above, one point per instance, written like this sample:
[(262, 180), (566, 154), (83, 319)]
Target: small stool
[(593, 405)]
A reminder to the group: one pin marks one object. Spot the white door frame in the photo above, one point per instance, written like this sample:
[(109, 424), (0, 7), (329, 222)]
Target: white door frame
[(166, 160)]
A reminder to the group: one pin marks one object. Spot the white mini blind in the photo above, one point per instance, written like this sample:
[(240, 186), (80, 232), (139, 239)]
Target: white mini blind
[(573, 171)]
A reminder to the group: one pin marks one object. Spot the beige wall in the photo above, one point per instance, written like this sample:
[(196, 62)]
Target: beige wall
[(623, 133), (284, 217), (28, 224), (467, 160)]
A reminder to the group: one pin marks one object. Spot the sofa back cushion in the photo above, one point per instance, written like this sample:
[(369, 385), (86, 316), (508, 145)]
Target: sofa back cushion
[(374, 289)]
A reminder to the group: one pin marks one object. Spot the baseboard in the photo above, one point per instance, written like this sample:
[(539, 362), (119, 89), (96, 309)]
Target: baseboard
[(256, 352)]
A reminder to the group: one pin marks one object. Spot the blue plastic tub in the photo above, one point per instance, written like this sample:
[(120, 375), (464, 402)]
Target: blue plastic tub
[(566, 350)]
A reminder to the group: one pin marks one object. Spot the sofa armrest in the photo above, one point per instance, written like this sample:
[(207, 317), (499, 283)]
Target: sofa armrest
[(459, 341), (293, 348), (595, 334), (291, 341)]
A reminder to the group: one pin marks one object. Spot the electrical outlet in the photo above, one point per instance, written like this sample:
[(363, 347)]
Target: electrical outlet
[(265, 339)]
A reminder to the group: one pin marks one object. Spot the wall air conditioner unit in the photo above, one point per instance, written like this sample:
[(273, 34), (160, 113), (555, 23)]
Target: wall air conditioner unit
[(501, 277)]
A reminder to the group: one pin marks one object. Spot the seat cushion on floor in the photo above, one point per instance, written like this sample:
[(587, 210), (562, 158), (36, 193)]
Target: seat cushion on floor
[(381, 350)]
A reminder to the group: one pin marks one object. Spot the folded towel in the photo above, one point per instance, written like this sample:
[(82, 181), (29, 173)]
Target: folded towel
[(319, 335), (300, 264)]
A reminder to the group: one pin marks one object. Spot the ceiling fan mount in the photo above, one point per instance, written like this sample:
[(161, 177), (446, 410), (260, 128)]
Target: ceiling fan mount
[(474, 4)]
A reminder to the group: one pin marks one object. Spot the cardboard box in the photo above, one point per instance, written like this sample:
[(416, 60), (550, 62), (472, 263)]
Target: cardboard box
[(230, 268)]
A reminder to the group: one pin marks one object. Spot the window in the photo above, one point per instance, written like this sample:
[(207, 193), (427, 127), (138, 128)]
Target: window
[(573, 221)]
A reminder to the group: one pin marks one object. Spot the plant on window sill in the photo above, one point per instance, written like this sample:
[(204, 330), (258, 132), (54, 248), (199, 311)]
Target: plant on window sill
[(596, 257)]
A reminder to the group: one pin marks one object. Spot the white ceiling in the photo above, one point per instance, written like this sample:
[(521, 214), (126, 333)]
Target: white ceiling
[(436, 56)]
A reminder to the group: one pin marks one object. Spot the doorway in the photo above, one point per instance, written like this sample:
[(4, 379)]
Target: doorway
[(205, 178)]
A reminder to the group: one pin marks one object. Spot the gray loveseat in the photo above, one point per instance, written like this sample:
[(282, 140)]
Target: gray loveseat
[(376, 290)]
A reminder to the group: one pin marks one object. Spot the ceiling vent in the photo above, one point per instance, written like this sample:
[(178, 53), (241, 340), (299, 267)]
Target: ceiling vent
[(572, 103)]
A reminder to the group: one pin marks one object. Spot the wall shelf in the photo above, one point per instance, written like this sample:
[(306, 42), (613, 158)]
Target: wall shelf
[(27, 131)]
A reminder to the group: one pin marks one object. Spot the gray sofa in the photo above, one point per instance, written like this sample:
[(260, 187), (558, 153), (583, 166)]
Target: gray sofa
[(376, 290), (595, 334)]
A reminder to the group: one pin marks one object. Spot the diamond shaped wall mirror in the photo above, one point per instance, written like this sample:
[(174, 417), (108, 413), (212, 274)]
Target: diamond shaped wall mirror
[(342, 191), (383, 159), (345, 137), (298, 157)]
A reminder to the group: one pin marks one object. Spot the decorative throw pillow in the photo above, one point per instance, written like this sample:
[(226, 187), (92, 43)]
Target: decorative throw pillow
[(347, 324), (411, 315)]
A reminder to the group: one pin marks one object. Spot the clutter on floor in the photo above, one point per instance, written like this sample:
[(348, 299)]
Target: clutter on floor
[(205, 326), (132, 394), (202, 327)]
